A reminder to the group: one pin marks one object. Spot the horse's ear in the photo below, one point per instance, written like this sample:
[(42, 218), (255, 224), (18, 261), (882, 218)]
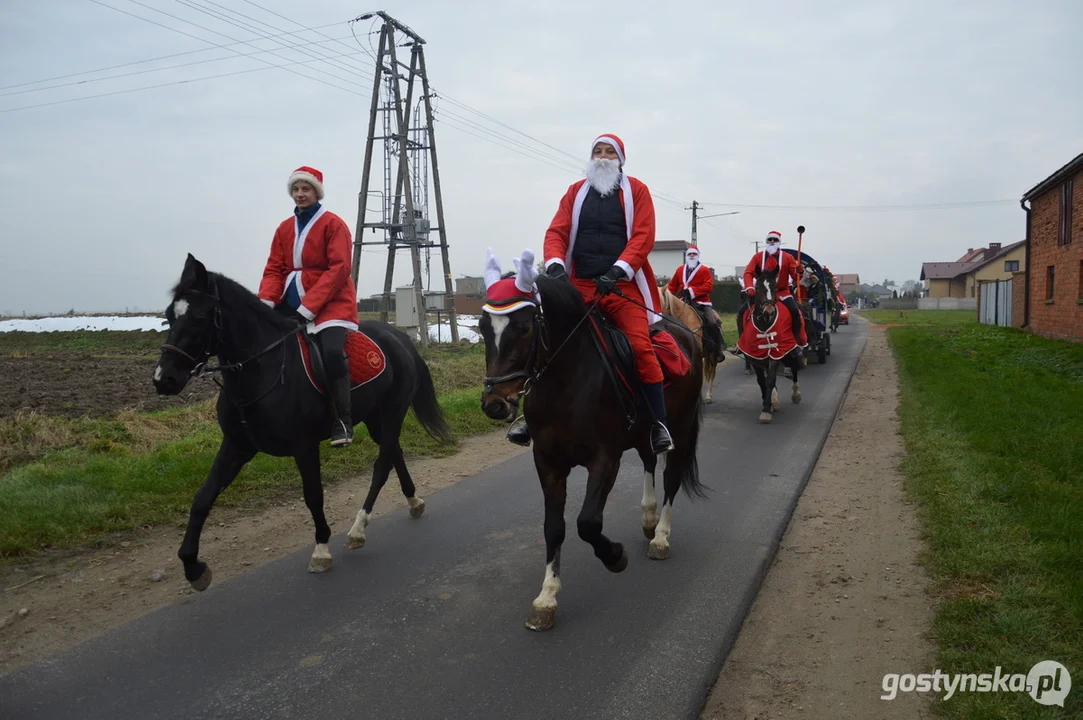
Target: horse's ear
[(194, 274), (526, 273)]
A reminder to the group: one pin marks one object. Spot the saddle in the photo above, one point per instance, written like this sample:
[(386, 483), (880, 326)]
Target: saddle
[(613, 345), (364, 357)]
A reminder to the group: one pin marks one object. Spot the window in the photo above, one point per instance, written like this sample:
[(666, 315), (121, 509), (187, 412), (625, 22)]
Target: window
[(1064, 217), (1049, 282), (1011, 266)]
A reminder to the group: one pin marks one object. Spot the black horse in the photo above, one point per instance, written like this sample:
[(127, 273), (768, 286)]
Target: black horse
[(548, 359), (764, 315), (268, 405)]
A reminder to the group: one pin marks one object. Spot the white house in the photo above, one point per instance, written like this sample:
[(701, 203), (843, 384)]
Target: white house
[(667, 255)]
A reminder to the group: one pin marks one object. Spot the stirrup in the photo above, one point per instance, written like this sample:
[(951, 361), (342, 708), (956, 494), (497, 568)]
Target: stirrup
[(519, 435), (661, 439), (341, 433)]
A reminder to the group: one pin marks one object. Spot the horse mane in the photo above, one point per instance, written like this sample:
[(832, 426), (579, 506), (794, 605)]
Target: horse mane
[(238, 298), (562, 305)]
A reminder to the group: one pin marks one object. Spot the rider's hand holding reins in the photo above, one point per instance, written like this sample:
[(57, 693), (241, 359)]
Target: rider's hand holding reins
[(556, 272), (607, 282)]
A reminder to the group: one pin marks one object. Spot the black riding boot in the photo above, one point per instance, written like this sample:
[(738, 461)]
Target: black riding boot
[(661, 440), (520, 435), (342, 427)]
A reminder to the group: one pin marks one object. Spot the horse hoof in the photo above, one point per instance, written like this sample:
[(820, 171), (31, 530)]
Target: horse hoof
[(657, 551), (747, 371), (648, 530), (796, 398), (417, 509), (765, 417), (541, 619), (353, 543), (709, 400), (319, 564), (621, 564), (202, 582)]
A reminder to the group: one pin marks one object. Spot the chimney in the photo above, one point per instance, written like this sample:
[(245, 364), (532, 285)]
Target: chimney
[(969, 250), (994, 247)]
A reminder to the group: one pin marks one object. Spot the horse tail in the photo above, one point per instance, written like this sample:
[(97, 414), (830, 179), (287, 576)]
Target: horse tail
[(426, 406), (688, 468)]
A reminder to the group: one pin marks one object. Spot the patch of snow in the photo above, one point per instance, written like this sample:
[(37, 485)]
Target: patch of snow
[(69, 324), (468, 329)]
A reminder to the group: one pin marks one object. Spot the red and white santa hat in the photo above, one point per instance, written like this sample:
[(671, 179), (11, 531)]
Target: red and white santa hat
[(613, 140), (774, 236), (310, 175)]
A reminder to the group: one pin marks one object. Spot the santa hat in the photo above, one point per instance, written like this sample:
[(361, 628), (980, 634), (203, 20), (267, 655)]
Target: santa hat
[(510, 294), (613, 140), (774, 235), (310, 175), (692, 252)]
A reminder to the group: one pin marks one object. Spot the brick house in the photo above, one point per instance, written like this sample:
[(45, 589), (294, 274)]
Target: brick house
[(1052, 302)]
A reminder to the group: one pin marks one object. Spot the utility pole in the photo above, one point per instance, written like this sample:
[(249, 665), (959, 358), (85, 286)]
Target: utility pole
[(695, 210), (405, 212)]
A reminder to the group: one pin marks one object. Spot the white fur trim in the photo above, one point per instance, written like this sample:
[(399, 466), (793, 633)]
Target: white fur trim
[(506, 310), (686, 276), (332, 323), (554, 261), (308, 178), (306, 313), (298, 249), (611, 141), (629, 215), (628, 272), (268, 303)]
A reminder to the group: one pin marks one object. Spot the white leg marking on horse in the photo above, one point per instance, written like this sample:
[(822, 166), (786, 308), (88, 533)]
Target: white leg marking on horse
[(649, 503), (659, 547), (321, 559), (417, 506), (796, 396), (775, 404), (500, 324), (357, 532), (180, 307), (547, 599), (158, 372)]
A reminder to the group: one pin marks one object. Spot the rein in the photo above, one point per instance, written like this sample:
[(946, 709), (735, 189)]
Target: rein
[(529, 371)]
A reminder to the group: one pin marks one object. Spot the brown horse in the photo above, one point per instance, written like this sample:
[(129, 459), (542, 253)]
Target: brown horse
[(677, 308), (546, 355)]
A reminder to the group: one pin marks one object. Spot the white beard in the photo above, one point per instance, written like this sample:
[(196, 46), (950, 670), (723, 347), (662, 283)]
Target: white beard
[(691, 264), (772, 249), (603, 175)]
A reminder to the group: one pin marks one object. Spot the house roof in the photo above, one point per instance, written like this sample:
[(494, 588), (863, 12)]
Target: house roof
[(945, 270), (999, 254), (1073, 166), (972, 255), (851, 279)]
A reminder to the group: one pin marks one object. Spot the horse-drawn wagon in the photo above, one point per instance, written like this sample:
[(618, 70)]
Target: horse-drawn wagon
[(813, 299)]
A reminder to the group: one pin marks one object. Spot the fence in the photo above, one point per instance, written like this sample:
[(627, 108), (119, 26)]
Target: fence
[(948, 304), (995, 307)]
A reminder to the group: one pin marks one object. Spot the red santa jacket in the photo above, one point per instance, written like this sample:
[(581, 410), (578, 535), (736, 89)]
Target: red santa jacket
[(787, 276), (698, 282), (638, 207), (322, 255)]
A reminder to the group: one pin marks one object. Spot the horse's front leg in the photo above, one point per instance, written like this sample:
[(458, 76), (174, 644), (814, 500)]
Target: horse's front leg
[(765, 393), (601, 474), (709, 369), (231, 457), (308, 463), (795, 396), (649, 503), (554, 484)]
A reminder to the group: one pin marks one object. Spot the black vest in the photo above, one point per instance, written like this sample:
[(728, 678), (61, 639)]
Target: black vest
[(601, 236)]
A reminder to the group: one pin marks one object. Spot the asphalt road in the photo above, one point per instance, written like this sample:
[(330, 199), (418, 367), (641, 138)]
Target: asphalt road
[(426, 621)]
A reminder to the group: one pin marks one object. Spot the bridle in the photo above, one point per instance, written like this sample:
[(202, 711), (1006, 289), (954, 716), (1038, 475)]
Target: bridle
[(531, 371), (212, 341)]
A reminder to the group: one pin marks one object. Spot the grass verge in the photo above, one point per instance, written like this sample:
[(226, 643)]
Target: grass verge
[(71, 482), (992, 422), (918, 317)]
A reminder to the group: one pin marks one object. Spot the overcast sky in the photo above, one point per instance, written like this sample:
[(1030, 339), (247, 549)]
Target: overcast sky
[(779, 103)]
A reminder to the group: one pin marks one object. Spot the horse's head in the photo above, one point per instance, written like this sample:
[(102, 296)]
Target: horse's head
[(766, 292), (194, 317), (511, 328)]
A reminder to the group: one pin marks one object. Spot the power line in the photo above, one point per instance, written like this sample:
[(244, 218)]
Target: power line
[(152, 87), (856, 208), (134, 62), (138, 72)]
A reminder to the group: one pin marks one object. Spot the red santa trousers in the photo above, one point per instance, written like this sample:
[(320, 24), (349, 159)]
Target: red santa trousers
[(631, 319)]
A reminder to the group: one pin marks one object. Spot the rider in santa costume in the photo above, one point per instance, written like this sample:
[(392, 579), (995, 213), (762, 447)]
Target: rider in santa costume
[(789, 275), (599, 240), (693, 283), (308, 275)]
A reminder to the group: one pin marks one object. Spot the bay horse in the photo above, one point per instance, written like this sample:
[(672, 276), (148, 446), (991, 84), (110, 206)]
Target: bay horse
[(547, 357), (764, 314), (675, 307), (267, 403)]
